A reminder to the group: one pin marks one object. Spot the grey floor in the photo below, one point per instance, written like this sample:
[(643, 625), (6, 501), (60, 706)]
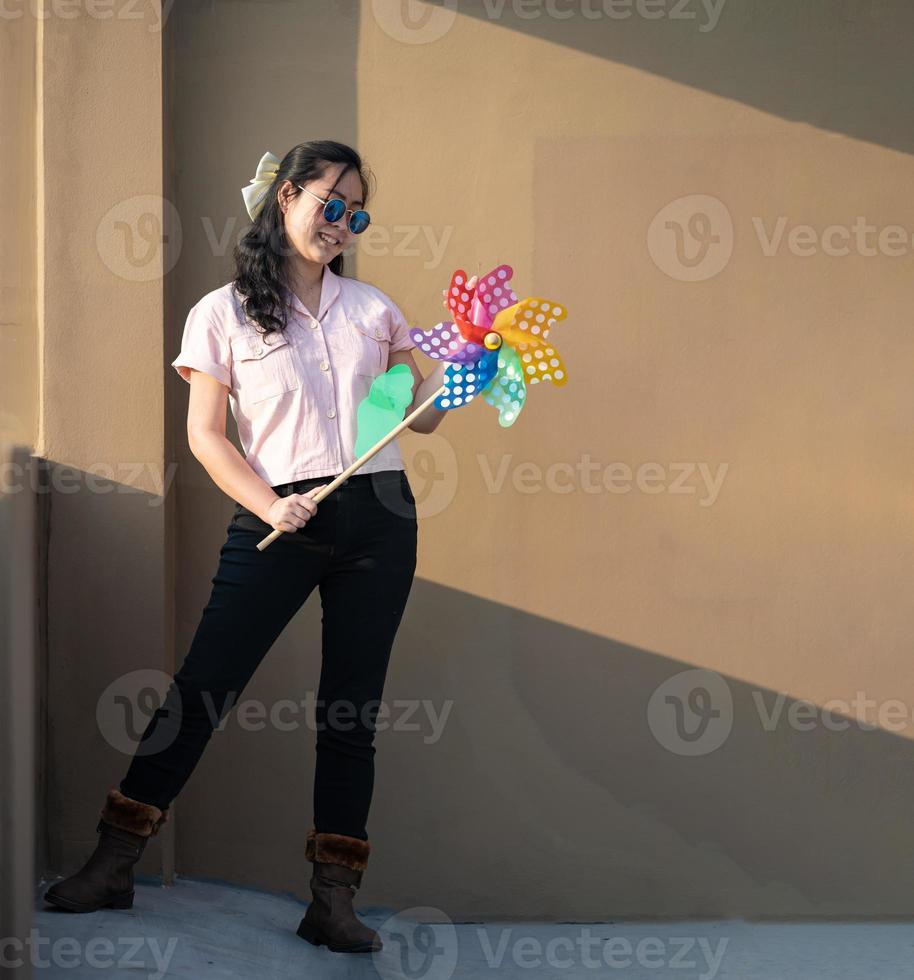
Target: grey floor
[(201, 930)]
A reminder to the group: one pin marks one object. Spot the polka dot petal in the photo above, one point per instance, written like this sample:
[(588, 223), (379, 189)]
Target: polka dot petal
[(507, 392), (494, 289), (440, 343), (458, 295), (548, 363), (460, 388), (527, 320)]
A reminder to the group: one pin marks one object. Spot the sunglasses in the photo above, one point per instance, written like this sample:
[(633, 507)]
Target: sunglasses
[(334, 209)]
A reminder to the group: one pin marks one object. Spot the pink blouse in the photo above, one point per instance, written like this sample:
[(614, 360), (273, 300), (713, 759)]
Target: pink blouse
[(295, 398)]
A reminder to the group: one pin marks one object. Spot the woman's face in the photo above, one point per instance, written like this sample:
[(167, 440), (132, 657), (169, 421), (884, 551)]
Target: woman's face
[(315, 238)]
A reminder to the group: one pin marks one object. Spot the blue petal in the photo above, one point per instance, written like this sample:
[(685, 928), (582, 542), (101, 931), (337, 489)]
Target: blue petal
[(465, 381)]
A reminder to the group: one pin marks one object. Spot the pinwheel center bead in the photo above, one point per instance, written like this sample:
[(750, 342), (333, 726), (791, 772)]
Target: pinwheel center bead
[(492, 340)]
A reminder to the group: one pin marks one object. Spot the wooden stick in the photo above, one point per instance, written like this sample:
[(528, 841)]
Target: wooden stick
[(361, 461)]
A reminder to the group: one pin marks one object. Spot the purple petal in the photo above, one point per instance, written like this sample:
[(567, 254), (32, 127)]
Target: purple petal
[(444, 342)]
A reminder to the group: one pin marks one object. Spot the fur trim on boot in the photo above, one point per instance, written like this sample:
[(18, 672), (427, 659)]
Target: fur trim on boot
[(350, 852), (143, 819)]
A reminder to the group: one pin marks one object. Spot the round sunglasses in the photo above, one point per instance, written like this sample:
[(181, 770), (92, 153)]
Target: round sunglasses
[(334, 209)]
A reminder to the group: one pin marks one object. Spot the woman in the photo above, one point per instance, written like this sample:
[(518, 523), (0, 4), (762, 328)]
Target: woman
[(294, 345)]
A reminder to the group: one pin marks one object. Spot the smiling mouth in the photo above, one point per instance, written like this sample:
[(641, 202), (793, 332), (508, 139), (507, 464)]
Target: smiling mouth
[(327, 239)]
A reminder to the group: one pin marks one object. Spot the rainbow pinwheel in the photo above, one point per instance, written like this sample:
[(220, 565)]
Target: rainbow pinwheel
[(496, 345)]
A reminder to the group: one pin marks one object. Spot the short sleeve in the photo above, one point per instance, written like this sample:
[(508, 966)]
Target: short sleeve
[(204, 347), (399, 330)]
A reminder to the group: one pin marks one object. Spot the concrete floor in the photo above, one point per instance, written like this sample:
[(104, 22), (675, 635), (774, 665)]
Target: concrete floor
[(200, 930)]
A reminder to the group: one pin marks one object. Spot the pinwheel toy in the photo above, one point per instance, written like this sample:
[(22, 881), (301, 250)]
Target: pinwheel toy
[(496, 345)]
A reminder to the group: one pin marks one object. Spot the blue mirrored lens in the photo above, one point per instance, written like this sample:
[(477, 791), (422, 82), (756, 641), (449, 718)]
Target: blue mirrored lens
[(359, 222), (334, 210)]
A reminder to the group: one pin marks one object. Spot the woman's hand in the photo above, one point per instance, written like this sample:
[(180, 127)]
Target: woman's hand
[(470, 284), (294, 511)]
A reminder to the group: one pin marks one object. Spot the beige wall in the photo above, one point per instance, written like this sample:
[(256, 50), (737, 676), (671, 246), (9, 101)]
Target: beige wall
[(546, 618), (549, 622), (18, 255), (788, 370), (86, 381)]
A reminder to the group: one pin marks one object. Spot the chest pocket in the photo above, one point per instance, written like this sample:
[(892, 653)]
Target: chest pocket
[(263, 369), (369, 342)]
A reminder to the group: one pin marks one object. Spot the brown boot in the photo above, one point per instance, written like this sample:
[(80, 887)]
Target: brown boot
[(338, 865), (106, 879)]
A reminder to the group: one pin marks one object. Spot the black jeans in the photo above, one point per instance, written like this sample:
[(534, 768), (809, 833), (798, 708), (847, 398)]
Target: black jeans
[(359, 549)]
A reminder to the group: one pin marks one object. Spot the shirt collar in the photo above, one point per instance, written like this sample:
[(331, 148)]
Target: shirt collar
[(330, 290)]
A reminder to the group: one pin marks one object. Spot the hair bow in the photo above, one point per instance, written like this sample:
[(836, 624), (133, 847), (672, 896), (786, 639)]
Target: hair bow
[(255, 194)]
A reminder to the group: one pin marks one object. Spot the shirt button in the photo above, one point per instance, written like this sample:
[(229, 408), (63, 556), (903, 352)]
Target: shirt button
[(258, 350), (314, 324), (331, 413), (377, 333), (325, 366)]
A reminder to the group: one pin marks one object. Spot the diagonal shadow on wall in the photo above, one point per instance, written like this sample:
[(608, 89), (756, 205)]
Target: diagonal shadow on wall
[(839, 65), (578, 744), (527, 769)]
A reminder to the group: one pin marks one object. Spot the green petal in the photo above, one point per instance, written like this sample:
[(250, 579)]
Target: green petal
[(507, 391), (383, 408)]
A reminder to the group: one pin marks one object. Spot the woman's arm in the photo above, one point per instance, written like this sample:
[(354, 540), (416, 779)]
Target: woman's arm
[(422, 388), (207, 440)]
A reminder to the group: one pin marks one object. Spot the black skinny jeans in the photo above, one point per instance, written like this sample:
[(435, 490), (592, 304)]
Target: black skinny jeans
[(359, 549)]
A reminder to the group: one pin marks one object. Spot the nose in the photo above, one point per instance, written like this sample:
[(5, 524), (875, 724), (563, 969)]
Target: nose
[(340, 224)]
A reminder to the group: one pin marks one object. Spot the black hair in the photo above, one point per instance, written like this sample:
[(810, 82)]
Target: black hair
[(262, 254)]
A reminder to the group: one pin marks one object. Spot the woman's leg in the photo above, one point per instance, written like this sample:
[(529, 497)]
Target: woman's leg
[(255, 594), (363, 593)]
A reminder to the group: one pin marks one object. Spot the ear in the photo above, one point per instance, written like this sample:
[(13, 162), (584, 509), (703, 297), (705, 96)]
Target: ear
[(286, 195)]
